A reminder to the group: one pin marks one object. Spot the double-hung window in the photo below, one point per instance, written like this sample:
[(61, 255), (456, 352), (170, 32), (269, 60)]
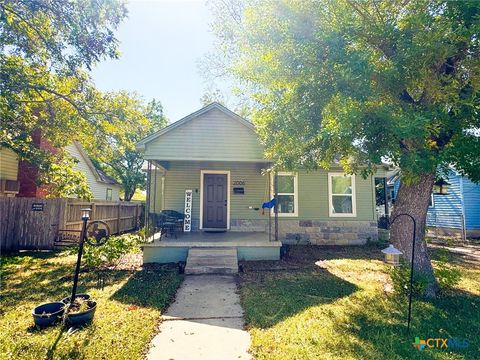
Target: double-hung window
[(109, 194), (341, 191), (287, 190)]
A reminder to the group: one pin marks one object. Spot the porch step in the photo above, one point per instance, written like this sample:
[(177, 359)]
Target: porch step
[(212, 260)]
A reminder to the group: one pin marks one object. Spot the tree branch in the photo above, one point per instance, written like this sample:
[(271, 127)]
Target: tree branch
[(30, 25)]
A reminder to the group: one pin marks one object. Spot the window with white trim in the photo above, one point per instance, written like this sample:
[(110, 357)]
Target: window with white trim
[(287, 192), (109, 194), (341, 193)]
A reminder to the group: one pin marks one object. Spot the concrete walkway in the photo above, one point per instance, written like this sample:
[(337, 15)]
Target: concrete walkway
[(204, 322)]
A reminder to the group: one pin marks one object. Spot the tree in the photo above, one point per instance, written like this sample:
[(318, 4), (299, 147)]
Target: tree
[(211, 96), (46, 49), (361, 81), (125, 119)]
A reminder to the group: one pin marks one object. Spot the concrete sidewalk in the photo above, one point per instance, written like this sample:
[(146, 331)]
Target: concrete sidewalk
[(204, 322)]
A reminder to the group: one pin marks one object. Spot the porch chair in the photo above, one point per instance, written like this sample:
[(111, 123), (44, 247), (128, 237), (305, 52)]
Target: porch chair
[(176, 217), (166, 225)]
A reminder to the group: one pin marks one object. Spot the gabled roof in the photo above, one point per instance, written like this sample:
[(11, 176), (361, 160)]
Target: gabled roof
[(106, 178), (100, 176), (215, 105)]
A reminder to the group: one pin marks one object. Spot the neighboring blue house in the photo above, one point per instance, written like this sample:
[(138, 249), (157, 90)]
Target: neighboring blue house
[(447, 212)]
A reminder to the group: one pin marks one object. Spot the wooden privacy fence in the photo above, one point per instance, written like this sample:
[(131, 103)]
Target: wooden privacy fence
[(42, 224)]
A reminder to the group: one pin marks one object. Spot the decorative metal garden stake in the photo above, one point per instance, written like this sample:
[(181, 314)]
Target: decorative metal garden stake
[(411, 267), (85, 217)]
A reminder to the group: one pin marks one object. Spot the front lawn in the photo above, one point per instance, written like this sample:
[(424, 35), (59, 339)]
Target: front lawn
[(339, 309), (128, 311)]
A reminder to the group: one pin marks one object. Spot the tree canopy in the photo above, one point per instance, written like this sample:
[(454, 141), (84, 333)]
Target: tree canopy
[(46, 50), (125, 120), (361, 81)]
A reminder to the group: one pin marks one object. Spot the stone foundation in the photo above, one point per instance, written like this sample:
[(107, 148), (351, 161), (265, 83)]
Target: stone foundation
[(315, 232), (320, 232)]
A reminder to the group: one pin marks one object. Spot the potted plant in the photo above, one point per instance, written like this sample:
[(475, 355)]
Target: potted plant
[(66, 300), (82, 308), (48, 314), (81, 311)]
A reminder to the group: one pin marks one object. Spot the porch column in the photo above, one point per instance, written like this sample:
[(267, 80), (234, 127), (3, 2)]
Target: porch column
[(155, 189), (147, 200)]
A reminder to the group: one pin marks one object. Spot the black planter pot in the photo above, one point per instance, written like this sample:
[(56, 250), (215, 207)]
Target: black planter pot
[(66, 300), (81, 318), (48, 314)]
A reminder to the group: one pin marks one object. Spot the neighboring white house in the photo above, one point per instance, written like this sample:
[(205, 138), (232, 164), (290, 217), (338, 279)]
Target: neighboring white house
[(101, 185)]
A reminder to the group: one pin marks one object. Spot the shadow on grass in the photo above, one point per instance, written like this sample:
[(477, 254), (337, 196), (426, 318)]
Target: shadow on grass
[(269, 298), (30, 277), (149, 288), (454, 257), (381, 327), (303, 257), (26, 257)]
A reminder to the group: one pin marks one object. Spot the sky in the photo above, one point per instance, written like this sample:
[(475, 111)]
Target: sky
[(161, 44)]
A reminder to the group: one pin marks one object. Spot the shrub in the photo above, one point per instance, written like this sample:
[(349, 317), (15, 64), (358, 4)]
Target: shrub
[(110, 253), (401, 280), (141, 232)]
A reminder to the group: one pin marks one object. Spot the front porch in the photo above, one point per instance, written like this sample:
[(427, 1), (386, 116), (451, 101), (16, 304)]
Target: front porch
[(248, 246)]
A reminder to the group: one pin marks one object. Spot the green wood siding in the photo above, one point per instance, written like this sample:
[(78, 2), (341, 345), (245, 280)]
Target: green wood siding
[(186, 175), (312, 189), (313, 197), (213, 135)]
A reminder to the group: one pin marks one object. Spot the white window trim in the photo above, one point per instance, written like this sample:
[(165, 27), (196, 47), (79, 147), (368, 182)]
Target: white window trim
[(330, 197), (295, 193), (433, 201), (202, 173), (111, 194)]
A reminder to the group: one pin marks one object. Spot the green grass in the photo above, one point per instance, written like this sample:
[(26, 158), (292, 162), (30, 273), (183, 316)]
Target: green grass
[(341, 311), (128, 311)]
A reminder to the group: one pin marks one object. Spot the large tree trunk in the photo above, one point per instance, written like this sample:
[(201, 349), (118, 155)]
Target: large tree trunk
[(413, 199)]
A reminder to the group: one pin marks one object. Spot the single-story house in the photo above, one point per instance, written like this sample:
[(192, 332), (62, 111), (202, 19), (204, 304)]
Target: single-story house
[(455, 213), (216, 154)]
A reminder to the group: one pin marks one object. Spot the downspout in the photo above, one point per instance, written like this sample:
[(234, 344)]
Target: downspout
[(385, 196), (464, 225), (275, 184), (269, 210)]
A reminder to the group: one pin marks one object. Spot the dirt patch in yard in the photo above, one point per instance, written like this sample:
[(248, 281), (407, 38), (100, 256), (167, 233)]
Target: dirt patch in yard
[(300, 257)]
